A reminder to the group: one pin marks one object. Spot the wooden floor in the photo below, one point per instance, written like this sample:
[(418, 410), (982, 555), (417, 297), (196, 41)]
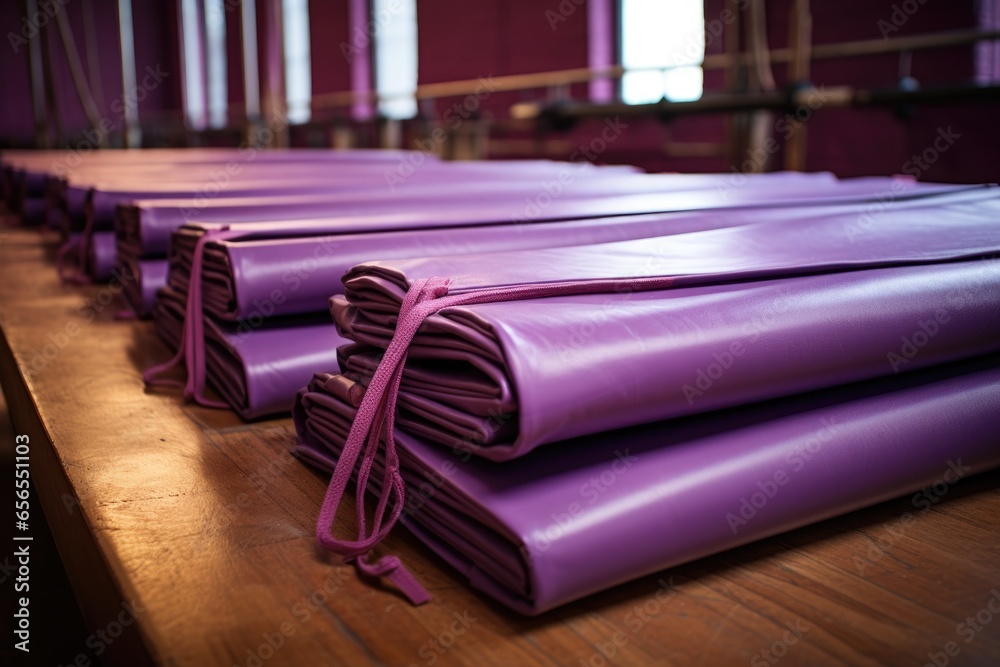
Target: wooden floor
[(202, 526)]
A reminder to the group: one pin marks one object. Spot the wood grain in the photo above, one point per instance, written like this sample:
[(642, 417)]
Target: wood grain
[(204, 523)]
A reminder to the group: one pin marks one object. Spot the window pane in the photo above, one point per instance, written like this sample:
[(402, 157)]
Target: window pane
[(683, 84), (665, 36), (396, 56), (298, 70), (194, 81), (215, 40)]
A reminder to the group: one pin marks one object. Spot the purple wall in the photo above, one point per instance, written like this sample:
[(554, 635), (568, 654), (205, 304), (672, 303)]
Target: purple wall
[(465, 40), (15, 84), (328, 31), (155, 46)]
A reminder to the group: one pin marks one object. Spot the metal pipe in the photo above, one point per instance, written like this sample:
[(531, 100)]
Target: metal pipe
[(813, 98), (712, 61)]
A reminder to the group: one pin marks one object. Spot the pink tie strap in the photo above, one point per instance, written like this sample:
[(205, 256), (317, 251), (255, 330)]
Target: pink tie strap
[(68, 262), (191, 350), (374, 421)]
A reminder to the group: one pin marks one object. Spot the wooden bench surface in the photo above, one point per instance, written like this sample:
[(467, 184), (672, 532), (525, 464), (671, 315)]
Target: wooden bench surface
[(205, 524)]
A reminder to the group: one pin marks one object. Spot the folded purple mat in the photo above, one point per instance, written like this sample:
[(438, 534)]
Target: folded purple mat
[(483, 333), (145, 226), (241, 274), (99, 195), (668, 353), (658, 347), (33, 211), (269, 277), (535, 533), (240, 359), (43, 174), (142, 278), (101, 256)]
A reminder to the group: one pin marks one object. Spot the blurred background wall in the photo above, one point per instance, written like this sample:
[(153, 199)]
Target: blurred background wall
[(212, 72)]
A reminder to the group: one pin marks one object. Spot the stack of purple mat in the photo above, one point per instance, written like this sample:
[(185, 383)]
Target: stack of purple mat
[(260, 283), (86, 199), (478, 343), (724, 385), (144, 227)]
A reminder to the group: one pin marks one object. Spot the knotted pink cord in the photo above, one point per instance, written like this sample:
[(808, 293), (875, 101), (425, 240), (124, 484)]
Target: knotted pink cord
[(191, 349), (79, 275), (374, 420), (65, 260)]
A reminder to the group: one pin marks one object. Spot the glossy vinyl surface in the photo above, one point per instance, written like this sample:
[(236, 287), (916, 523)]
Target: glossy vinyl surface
[(752, 312), (586, 514), (257, 370)]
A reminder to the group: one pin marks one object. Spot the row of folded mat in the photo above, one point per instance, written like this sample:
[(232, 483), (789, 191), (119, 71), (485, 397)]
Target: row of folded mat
[(688, 340)]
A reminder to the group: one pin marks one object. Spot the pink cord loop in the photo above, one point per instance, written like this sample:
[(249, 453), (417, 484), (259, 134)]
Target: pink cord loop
[(69, 260), (374, 420), (191, 351), (373, 423)]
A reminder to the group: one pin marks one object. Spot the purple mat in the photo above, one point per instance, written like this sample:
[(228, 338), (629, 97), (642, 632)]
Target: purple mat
[(267, 278), (145, 226), (243, 270), (486, 375), (535, 533), (98, 194), (658, 345), (142, 279), (241, 361)]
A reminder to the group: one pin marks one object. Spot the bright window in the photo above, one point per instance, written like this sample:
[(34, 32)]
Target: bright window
[(395, 24), (215, 43), (663, 47), (298, 71), (191, 55)]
